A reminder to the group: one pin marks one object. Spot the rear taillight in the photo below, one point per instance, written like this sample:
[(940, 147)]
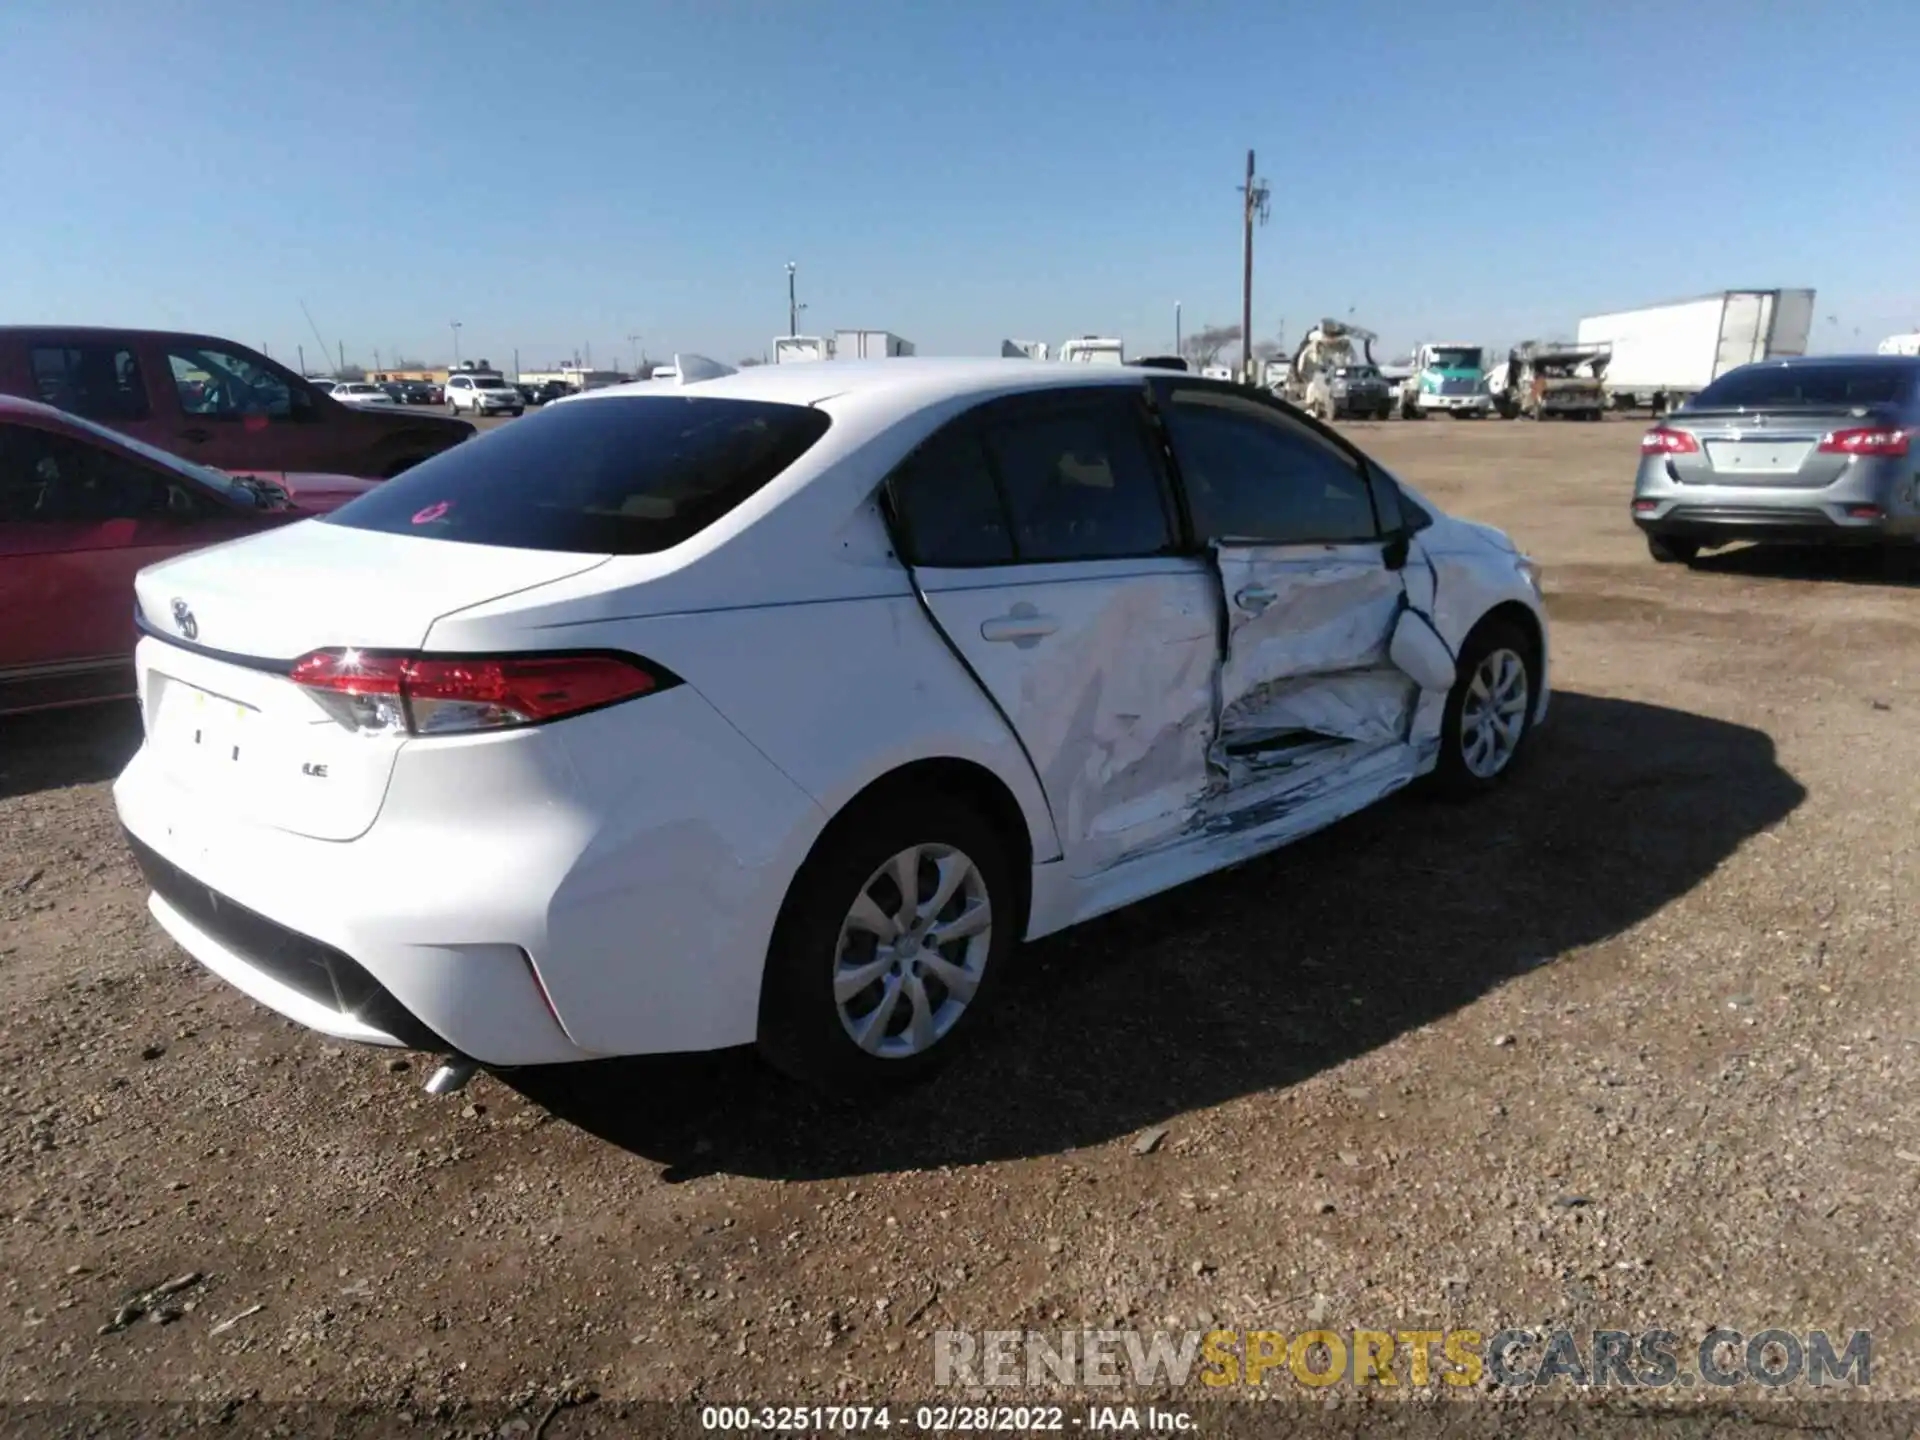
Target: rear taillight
[(380, 691), (1662, 441), (1868, 440)]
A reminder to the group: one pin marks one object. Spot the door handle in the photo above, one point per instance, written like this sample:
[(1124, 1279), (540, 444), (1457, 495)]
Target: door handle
[(1018, 628), (1255, 598), (197, 434)]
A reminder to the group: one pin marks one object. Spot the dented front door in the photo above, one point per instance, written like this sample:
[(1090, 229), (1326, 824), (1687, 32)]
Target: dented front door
[(1307, 681), (1311, 573)]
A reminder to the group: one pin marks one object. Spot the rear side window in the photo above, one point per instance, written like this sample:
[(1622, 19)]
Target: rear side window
[(1078, 479), (101, 382), (947, 505), (625, 476), (1759, 387)]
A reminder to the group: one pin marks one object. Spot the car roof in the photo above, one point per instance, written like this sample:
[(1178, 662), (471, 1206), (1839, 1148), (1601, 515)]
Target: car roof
[(909, 379)]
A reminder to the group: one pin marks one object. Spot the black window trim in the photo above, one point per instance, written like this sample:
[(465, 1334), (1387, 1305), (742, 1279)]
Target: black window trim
[(973, 423), (1162, 387)]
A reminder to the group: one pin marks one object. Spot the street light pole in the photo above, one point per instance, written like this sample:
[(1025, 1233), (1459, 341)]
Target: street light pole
[(793, 310), (634, 340), (454, 325), (1176, 327)]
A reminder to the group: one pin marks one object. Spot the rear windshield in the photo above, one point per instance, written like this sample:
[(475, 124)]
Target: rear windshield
[(619, 476), (1761, 387)]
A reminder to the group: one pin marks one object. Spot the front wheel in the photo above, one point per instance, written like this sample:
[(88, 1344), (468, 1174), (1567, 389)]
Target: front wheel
[(1489, 711), (890, 945)]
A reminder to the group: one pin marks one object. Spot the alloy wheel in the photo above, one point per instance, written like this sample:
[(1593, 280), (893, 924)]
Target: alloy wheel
[(912, 951), (1493, 716)]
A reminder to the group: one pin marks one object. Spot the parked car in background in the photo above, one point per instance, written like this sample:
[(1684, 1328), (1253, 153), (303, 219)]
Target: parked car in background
[(81, 509), (483, 394), (530, 394), (361, 392), (551, 390), (785, 704), (214, 401), (396, 391), (1817, 449), (415, 392)]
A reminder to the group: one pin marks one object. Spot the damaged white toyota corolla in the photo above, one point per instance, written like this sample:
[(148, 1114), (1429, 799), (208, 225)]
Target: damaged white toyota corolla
[(778, 706)]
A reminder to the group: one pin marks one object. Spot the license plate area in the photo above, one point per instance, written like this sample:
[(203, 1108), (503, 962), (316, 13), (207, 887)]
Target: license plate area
[(1757, 457), (204, 733)]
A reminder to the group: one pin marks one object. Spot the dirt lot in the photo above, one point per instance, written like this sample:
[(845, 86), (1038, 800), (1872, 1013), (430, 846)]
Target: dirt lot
[(1632, 1044)]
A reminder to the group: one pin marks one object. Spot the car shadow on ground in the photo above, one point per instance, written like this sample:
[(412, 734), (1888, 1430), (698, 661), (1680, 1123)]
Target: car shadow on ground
[(1253, 979), (51, 749), (1896, 566)]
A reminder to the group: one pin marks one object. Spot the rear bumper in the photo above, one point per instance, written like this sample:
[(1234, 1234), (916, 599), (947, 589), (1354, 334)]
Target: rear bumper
[(1716, 514), (604, 886), (1783, 525)]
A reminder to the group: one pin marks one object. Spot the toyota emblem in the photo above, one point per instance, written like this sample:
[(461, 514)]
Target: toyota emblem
[(183, 618)]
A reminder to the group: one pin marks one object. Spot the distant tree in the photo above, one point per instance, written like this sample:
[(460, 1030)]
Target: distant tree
[(1266, 350), (408, 365), (1203, 346), (351, 372)]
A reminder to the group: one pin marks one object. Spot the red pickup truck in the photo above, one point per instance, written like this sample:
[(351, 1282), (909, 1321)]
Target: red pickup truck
[(213, 402)]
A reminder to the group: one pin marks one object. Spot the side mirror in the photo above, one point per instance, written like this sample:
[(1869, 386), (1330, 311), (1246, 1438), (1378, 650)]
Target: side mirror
[(181, 504), (1395, 552)]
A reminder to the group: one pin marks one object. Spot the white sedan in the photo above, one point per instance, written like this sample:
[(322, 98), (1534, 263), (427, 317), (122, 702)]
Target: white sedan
[(787, 701), (361, 392)]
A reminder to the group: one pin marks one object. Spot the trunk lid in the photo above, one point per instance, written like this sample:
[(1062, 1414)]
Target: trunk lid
[(1770, 449), (223, 719)]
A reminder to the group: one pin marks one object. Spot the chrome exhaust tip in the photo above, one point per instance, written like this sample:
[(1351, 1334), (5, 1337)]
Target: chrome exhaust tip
[(452, 1076)]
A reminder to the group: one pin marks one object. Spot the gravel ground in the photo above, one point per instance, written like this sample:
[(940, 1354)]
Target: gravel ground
[(1630, 1044)]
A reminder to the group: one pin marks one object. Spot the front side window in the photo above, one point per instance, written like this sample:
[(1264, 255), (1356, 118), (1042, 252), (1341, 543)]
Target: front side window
[(218, 384), (55, 480), (99, 381), (626, 476), (1252, 473)]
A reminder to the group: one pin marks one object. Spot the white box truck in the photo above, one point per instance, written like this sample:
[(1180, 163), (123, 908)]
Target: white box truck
[(1663, 354), (789, 348), (868, 345)]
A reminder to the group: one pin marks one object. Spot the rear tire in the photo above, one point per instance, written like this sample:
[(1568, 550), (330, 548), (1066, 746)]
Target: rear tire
[(841, 966), (1489, 714), (1668, 550)]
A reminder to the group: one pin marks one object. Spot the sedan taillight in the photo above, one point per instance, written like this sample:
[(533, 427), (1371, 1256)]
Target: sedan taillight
[(1868, 440), (1663, 441), (383, 691)]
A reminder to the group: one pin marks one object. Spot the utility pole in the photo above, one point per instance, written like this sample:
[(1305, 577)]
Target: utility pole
[(516, 363), (1176, 327), (793, 310), (376, 360), (301, 350), (454, 325), (1255, 194), (634, 340)]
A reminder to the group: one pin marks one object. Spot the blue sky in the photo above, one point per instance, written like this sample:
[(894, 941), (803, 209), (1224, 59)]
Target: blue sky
[(563, 175)]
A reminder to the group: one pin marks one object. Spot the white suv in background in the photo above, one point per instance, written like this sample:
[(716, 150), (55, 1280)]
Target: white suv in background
[(483, 394)]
